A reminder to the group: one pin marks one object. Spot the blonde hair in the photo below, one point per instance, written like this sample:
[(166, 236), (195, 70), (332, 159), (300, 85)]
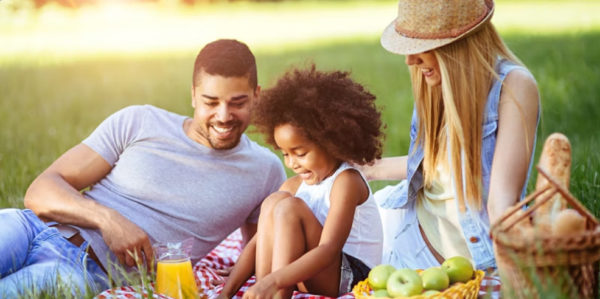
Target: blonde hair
[(451, 115)]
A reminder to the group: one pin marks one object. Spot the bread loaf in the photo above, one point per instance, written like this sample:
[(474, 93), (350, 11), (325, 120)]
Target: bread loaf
[(556, 161), (568, 222), (523, 229)]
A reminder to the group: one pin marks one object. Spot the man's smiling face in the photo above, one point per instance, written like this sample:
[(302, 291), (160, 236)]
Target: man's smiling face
[(222, 109)]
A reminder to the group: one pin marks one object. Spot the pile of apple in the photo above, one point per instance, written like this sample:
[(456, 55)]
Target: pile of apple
[(387, 281)]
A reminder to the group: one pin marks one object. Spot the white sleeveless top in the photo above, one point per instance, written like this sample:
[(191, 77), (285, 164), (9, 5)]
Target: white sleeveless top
[(366, 236)]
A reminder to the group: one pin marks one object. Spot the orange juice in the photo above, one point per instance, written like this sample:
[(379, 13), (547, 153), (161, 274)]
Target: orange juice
[(175, 279)]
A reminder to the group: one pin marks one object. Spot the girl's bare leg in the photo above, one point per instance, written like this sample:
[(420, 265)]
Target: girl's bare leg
[(264, 234), (296, 231)]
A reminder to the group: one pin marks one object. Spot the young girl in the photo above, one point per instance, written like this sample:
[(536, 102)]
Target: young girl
[(472, 134), (321, 233)]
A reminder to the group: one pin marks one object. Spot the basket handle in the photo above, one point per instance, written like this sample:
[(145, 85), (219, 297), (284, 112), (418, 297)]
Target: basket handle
[(520, 205), (554, 187), (592, 221), (517, 207)]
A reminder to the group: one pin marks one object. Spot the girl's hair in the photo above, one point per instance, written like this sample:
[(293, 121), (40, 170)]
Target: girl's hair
[(451, 115), (335, 112)]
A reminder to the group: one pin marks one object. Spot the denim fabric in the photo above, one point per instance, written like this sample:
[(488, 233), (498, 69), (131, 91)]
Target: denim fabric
[(34, 257), (475, 224)]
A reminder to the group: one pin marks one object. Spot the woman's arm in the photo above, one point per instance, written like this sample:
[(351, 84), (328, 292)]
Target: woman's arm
[(518, 110), (389, 168)]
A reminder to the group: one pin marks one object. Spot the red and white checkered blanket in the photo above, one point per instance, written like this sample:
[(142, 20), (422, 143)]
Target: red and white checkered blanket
[(224, 256)]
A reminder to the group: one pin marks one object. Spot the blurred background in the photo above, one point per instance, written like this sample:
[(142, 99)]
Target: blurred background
[(65, 65)]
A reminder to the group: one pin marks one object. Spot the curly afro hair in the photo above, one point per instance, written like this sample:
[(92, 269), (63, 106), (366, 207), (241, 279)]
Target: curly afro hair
[(333, 111)]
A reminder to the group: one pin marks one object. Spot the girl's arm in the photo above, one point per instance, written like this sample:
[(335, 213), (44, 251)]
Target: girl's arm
[(245, 265), (248, 231), (518, 110), (348, 191), (389, 168), (241, 272)]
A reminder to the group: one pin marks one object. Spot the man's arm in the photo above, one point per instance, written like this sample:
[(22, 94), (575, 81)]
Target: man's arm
[(55, 195)]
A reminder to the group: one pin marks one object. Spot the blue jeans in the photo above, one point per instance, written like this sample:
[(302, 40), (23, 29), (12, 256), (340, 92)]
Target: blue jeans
[(36, 258)]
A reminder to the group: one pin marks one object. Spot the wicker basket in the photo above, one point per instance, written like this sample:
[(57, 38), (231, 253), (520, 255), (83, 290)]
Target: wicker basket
[(468, 290), (547, 264)]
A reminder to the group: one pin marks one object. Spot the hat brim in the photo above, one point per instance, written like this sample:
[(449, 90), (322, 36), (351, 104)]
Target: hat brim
[(393, 42)]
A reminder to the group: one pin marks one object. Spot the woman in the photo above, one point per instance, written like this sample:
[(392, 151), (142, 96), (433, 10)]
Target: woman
[(472, 134)]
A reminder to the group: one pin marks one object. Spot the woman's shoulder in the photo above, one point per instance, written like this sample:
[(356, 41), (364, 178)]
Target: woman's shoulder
[(513, 72), (521, 85), (520, 77)]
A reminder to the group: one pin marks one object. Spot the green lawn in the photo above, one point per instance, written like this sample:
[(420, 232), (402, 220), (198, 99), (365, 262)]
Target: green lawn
[(48, 108)]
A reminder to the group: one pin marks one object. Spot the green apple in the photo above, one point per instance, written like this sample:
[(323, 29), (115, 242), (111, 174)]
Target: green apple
[(458, 268), (430, 293), (404, 283), (435, 278), (380, 293), (379, 275)]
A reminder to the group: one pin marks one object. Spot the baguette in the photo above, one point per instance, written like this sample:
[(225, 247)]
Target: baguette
[(568, 222), (556, 160), (521, 230)]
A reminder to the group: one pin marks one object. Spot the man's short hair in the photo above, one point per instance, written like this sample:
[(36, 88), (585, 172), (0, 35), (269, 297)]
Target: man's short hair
[(227, 58)]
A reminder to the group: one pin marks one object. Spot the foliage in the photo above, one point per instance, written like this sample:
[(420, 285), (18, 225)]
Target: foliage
[(47, 109)]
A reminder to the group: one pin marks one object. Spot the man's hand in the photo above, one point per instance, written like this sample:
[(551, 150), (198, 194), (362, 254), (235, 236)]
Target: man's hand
[(127, 241)]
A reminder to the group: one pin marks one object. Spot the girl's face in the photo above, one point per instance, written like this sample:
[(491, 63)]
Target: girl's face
[(306, 158), (428, 65)]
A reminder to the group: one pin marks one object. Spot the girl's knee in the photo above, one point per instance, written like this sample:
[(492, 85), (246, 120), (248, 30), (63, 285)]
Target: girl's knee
[(273, 199), (291, 206)]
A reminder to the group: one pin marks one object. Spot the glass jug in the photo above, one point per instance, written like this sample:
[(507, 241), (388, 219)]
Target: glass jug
[(174, 275)]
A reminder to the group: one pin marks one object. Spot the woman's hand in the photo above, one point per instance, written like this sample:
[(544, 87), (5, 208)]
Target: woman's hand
[(265, 288)]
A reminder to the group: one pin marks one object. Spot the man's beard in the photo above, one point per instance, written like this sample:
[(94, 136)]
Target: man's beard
[(219, 144)]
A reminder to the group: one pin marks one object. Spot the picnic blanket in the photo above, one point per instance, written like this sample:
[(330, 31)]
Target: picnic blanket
[(224, 256)]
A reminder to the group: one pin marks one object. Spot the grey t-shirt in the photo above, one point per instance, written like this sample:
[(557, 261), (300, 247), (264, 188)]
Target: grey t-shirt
[(173, 187)]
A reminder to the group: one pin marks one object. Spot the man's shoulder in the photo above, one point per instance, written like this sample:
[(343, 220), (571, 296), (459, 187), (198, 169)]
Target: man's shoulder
[(265, 163), (256, 149), (146, 109), (152, 116)]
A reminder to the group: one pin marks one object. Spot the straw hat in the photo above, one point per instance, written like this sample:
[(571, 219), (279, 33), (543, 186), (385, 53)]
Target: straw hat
[(424, 25)]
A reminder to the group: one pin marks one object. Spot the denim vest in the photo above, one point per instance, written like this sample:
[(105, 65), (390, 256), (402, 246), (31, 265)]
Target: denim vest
[(475, 224)]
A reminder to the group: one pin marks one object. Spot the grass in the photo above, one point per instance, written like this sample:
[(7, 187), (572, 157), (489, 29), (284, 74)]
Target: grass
[(48, 108)]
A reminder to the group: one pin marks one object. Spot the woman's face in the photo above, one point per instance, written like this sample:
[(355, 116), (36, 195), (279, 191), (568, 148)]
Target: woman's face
[(428, 65)]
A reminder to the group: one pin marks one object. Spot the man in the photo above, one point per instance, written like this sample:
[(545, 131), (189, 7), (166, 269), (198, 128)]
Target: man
[(153, 176)]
